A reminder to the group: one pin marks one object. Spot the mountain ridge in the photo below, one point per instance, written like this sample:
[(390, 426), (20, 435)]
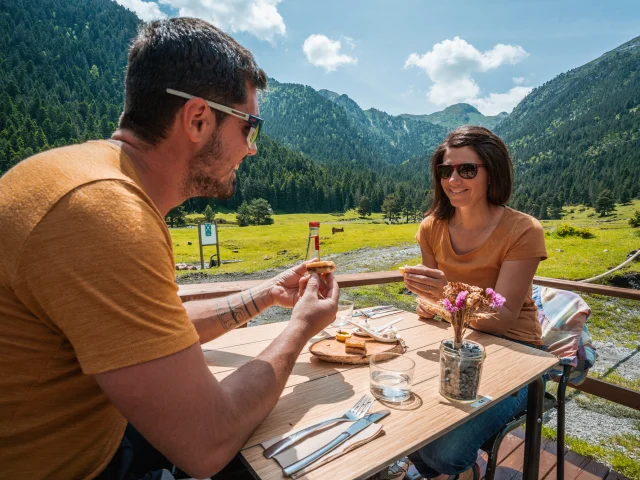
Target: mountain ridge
[(460, 114)]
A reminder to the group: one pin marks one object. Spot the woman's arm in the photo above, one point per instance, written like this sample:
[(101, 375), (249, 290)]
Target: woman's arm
[(513, 284)]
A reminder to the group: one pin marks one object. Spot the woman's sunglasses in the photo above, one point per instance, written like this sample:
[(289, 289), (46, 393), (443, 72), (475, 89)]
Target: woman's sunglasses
[(254, 122), (465, 170)]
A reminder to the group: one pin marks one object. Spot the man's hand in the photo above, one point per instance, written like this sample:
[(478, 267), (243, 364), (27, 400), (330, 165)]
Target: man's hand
[(315, 310), (285, 288)]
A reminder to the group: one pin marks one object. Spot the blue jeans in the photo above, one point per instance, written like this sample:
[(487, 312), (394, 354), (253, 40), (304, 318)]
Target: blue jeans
[(457, 450)]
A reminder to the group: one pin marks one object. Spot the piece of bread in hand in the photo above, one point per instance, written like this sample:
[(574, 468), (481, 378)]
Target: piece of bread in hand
[(321, 267), (356, 346), (402, 269)]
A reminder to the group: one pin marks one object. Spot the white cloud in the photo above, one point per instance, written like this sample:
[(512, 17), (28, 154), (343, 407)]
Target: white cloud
[(500, 102), (349, 41), (145, 10), (325, 53), (518, 80), (450, 65), (257, 17)]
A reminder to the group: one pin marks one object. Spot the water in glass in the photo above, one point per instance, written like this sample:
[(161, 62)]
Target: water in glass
[(391, 376)]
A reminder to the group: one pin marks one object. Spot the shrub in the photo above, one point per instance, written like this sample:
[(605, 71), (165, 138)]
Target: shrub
[(635, 220), (209, 214), (258, 212), (566, 230)]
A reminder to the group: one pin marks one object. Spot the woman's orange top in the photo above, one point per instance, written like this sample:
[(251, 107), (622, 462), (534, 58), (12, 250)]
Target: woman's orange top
[(517, 236)]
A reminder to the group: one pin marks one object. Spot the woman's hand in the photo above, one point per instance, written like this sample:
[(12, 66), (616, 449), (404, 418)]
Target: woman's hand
[(425, 281), (423, 313)]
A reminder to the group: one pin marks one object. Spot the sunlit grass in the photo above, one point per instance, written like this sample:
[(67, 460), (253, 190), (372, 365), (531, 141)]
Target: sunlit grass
[(284, 242)]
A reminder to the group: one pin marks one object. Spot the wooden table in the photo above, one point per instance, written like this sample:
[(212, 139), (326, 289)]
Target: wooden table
[(317, 390)]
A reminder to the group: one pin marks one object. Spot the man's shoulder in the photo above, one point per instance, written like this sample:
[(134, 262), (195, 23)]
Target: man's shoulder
[(67, 167), (31, 189), (108, 202), (36, 184)]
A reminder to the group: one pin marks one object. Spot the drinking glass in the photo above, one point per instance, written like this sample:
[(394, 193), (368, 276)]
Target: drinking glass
[(391, 376), (345, 312)]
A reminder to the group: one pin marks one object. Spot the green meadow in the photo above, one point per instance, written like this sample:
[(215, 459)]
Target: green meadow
[(285, 242), (257, 248)]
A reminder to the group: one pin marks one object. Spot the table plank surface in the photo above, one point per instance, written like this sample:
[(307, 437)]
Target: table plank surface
[(317, 390)]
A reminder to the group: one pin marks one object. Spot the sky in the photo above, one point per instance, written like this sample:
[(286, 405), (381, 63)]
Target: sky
[(416, 56)]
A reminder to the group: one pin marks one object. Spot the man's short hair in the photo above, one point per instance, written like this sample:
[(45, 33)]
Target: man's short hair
[(189, 55)]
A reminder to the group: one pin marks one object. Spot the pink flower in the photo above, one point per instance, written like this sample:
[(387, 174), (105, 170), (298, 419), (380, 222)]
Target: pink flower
[(497, 301), (460, 299), (451, 308)]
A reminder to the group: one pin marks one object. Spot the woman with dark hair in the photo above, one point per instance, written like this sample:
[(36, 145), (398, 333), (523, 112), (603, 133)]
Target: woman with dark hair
[(469, 235)]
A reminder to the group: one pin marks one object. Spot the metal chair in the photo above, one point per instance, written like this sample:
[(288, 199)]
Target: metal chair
[(563, 317), (492, 446)]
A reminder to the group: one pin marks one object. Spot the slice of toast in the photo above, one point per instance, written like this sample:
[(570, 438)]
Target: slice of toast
[(321, 267), (355, 346)]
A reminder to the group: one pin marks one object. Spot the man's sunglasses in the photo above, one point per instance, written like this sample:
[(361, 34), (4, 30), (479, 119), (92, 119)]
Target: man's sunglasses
[(252, 120), (465, 170)]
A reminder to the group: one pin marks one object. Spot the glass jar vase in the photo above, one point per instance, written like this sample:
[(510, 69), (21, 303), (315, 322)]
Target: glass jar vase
[(460, 370)]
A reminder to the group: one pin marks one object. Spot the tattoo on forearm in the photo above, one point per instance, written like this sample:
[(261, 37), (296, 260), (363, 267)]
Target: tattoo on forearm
[(236, 312), (254, 302), (226, 318), (245, 306)]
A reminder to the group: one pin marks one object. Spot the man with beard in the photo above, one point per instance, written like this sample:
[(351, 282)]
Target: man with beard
[(94, 339)]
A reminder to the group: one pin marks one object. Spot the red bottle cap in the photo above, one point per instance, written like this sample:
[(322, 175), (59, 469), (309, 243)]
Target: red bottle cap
[(314, 224)]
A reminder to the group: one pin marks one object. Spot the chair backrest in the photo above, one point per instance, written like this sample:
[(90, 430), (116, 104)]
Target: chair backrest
[(563, 317)]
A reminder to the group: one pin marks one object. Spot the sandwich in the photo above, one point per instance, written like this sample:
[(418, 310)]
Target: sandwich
[(321, 267), (356, 346)]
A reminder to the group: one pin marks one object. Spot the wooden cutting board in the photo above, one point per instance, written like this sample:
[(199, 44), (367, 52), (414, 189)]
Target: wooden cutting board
[(331, 350)]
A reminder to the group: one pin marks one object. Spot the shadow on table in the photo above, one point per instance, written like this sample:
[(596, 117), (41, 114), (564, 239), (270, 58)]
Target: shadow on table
[(431, 354), (413, 403), (314, 369)]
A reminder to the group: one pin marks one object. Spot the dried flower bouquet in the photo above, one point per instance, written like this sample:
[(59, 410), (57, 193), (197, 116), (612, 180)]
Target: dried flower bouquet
[(463, 303)]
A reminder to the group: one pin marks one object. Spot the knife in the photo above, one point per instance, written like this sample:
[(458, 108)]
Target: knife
[(384, 313), (340, 439), (361, 311)]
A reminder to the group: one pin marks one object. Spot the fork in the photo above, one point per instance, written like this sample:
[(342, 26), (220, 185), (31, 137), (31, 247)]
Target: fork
[(354, 413)]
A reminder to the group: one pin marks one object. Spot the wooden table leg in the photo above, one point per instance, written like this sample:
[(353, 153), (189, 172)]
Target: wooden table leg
[(533, 432)]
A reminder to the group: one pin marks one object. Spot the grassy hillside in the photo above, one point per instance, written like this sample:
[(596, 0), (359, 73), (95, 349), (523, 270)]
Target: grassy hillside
[(579, 133)]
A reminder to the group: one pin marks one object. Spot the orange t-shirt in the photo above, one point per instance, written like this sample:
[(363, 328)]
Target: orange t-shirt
[(87, 285), (516, 237)]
